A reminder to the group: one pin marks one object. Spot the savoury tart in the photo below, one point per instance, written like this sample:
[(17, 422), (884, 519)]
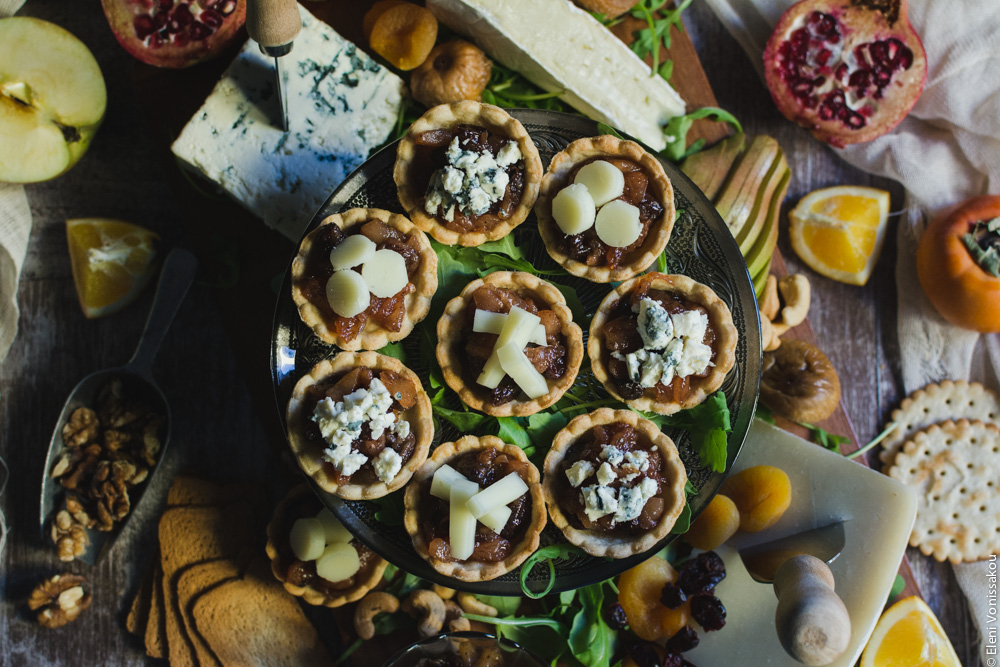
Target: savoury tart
[(360, 424), (383, 319), (483, 460), (300, 578), (662, 342), (642, 184), (467, 173), (463, 353), (614, 483)]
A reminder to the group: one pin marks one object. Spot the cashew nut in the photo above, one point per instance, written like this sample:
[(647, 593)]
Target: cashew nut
[(454, 619), (369, 607), (795, 289), (766, 332), (769, 304), (471, 605), (431, 608), (445, 593)]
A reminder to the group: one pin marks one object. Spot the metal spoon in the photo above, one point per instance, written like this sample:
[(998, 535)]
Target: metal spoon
[(175, 279)]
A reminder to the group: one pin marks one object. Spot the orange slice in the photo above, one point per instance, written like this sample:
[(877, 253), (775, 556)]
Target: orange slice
[(839, 231), (909, 635), (112, 262)]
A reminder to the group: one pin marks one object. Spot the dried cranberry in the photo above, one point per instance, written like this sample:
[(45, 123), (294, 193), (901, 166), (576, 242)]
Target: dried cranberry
[(685, 640), (645, 654), (673, 596), (615, 617), (629, 390), (328, 237), (709, 612), (701, 574), (672, 660), (505, 392)]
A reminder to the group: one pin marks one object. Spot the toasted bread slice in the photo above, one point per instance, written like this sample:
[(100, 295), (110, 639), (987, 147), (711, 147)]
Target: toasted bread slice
[(156, 631)]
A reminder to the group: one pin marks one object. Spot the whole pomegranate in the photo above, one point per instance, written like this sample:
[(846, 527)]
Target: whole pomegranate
[(849, 70), (175, 33)]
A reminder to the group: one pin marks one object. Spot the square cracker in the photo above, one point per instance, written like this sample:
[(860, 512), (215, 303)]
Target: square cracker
[(192, 534), (255, 621)]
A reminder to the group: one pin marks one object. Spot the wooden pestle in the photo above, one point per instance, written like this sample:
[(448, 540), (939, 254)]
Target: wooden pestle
[(812, 622), (273, 23)]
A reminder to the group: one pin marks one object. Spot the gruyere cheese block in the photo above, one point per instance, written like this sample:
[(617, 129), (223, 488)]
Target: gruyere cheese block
[(521, 371), (498, 494), (560, 47), (461, 523), (341, 105), (496, 519), (517, 329), (486, 321)]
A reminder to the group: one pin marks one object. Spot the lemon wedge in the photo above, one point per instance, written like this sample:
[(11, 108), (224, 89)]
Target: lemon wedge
[(839, 231), (909, 635), (112, 262)]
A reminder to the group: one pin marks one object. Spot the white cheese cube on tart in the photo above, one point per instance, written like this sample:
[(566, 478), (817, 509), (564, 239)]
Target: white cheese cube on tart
[(517, 329), (462, 525), (348, 293), (521, 371), (332, 528), (603, 180), (338, 562), (307, 539), (617, 224), (574, 209), (496, 519), (498, 494), (385, 273), (353, 251)]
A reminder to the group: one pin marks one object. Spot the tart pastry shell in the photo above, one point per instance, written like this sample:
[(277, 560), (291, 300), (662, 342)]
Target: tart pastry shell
[(373, 336), (599, 543), (452, 327), (720, 319), (310, 454), (474, 570), (557, 177), (308, 593), (446, 116)]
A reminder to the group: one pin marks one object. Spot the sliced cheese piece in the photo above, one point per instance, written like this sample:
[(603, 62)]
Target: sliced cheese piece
[(348, 293), (486, 321), (564, 49), (444, 479), (603, 180), (574, 209), (618, 224), (497, 519), (385, 273), (353, 251), (498, 494), (519, 368), (517, 329), (332, 528), (338, 562), (461, 523), (307, 539)]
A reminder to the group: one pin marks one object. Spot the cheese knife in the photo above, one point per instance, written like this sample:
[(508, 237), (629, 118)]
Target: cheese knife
[(274, 24), (812, 621)]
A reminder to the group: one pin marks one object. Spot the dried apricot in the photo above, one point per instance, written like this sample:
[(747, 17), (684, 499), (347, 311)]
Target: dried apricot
[(377, 9), (762, 494), (404, 35), (639, 591), (716, 524)]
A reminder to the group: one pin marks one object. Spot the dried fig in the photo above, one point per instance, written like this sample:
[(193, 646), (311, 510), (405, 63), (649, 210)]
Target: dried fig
[(455, 70), (799, 382)]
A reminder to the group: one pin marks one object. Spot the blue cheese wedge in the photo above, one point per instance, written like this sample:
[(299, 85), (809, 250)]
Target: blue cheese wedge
[(564, 49), (341, 105)]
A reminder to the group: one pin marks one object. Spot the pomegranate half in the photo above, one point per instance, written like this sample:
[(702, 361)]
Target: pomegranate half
[(848, 70), (175, 33)]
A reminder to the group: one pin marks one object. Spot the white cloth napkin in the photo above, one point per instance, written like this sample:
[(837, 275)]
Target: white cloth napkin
[(945, 151)]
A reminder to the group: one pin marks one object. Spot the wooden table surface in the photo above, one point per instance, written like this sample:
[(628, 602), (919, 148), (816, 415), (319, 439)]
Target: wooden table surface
[(213, 363)]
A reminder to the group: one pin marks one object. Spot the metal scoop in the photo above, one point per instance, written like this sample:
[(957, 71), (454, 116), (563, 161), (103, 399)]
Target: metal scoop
[(175, 279)]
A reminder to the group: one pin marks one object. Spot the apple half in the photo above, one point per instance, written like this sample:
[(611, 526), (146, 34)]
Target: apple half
[(52, 99)]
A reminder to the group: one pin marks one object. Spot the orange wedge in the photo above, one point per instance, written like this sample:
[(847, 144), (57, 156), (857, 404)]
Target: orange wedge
[(909, 635), (839, 231), (112, 262)]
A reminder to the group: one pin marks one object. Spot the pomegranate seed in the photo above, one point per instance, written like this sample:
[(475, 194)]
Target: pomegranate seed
[(180, 39), (210, 4), (160, 20), (823, 56), (199, 31), (856, 121), (811, 102), (819, 81), (825, 112), (180, 18), (840, 72), (165, 5), (211, 18), (861, 54), (879, 52), (143, 26), (155, 40)]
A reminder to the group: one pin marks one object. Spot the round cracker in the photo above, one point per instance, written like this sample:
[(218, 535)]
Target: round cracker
[(937, 403), (955, 468)]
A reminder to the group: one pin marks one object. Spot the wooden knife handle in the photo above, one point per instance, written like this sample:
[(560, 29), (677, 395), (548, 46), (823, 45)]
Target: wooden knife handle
[(812, 622), (273, 22)]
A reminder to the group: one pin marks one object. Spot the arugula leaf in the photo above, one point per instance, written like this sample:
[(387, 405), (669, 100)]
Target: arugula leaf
[(683, 522), (390, 509), (510, 431), (648, 40), (504, 604), (548, 554), (825, 438), (677, 128), (897, 587), (764, 414), (604, 128), (667, 70), (393, 350), (708, 424), (464, 420), (504, 246), (507, 88), (543, 426), (574, 303)]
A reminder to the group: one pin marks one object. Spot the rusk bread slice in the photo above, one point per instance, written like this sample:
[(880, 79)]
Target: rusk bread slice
[(138, 613), (156, 631), (936, 403), (254, 621), (194, 580), (192, 534), (955, 467)]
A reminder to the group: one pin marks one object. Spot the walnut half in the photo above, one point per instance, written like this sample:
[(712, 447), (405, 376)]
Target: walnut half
[(59, 600)]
